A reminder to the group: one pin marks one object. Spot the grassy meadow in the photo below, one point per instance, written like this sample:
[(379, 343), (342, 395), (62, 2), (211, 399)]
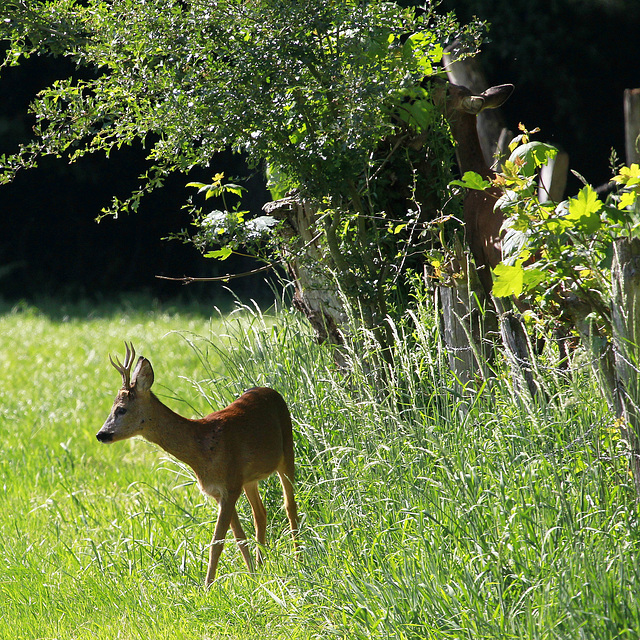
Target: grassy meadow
[(424, 514)]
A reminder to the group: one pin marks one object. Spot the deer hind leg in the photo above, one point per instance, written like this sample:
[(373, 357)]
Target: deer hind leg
[(286, 474), (226, 516), (259, 516)]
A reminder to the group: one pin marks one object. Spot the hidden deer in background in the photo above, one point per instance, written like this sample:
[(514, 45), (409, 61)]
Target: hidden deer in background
[(229, 450), (483, 223)]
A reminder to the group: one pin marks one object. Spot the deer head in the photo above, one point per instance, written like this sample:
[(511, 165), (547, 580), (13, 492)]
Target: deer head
[(131, 411), (455, 99)]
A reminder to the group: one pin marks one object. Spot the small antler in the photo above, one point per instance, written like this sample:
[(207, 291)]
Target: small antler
[(125, 369)]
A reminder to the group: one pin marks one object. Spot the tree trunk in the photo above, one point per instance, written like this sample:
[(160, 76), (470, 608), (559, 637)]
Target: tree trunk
[(467, 330), (316, 292)]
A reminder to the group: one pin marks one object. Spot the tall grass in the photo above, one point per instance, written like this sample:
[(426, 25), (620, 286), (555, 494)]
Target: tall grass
[(425, 514)]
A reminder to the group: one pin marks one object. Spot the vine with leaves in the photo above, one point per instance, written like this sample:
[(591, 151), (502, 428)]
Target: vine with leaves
[(557, 256)]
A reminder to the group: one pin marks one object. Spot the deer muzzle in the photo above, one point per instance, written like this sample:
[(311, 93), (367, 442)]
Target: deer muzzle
[(104, 436)]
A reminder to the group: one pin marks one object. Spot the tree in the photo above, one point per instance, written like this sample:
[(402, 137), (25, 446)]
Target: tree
[(324, 96)]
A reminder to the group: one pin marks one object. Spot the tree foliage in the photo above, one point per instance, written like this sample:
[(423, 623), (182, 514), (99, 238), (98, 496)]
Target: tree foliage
[(325, 96), (558, 256), (307, 88)]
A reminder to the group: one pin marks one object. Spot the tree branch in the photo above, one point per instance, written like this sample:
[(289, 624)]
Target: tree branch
[(229, 276), (243, 274)]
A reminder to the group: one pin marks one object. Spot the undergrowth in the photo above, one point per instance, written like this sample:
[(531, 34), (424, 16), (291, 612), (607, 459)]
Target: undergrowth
[(426, 512)]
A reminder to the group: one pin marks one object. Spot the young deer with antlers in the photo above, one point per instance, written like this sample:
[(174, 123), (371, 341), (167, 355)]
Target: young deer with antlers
[(229, 450)]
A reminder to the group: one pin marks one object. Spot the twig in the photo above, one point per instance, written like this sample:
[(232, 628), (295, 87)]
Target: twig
[(229, 276), (233, 276)]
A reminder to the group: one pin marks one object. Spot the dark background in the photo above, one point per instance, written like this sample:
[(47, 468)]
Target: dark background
[(570, 62), (50, 242)]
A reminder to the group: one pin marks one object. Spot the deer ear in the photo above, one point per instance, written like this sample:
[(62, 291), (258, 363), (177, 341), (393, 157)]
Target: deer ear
[(495, 97), (142, 377)]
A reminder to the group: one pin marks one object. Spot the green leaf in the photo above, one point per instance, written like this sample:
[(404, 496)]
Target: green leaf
[(534, 154), (627, 199), (508, 280), (472, 180), (399, 227), (234, 188), (219, 254), (607, 260), (533, 277), (583, 210)]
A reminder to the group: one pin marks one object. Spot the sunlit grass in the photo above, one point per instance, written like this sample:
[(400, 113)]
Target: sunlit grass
[(424, 514)]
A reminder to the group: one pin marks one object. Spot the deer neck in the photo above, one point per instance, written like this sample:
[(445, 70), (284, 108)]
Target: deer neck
[(175, 434), (468, 148)]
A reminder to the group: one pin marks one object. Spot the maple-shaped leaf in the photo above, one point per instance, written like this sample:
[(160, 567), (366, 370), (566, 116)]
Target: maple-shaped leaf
[(508, 280), (629, 176), (472, 180), (583, 210), (219, 254)]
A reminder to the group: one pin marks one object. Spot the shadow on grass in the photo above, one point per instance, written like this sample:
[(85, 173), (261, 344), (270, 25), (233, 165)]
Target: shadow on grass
[(124, 304)]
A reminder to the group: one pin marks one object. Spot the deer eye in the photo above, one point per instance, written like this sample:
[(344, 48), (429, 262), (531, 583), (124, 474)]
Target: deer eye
[(120, 411)]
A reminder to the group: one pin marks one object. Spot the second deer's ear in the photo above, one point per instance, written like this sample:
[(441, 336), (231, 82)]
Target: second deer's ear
[(142, 377), (495, 97)]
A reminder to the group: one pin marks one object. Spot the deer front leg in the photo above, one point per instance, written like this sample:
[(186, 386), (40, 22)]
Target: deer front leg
[(226, 513)]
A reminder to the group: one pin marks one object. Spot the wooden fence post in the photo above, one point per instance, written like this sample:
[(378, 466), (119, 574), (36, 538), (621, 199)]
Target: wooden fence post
[(625, 307), (468, 325), (553, 178), (632, 125), (598, 347), (518, 350)]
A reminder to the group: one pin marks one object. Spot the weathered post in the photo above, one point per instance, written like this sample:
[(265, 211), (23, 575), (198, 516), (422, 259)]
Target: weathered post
[(468, 331), (518, 350), (625, 316), (632, 125), (598, 347), (553, 178)]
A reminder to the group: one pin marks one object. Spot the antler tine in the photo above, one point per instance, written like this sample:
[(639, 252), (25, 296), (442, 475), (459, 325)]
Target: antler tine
[(125, 369), (129, 355)]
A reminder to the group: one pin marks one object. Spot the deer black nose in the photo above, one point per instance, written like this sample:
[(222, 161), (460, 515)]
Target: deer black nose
[(104, 437)]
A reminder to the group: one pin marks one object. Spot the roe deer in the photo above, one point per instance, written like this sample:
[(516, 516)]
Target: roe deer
[(483, 224), (229, 450)]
